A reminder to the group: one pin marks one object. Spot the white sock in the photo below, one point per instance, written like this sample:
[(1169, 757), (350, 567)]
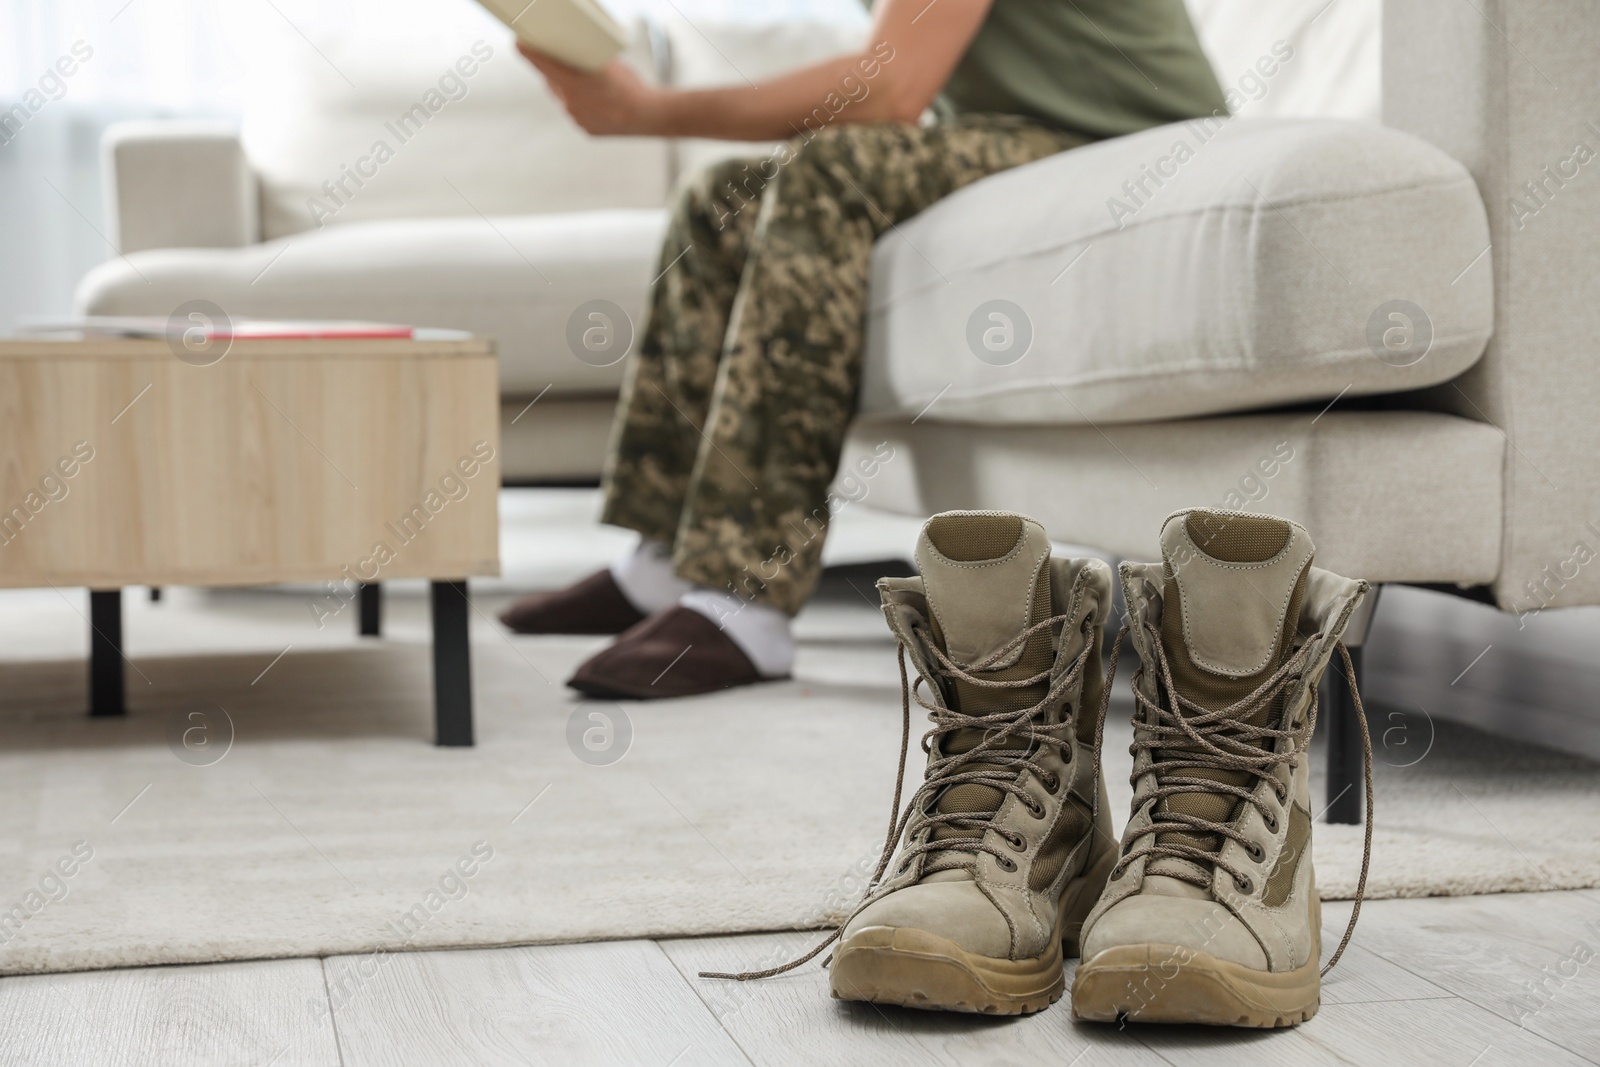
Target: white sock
[(646, 579), (761, 632)]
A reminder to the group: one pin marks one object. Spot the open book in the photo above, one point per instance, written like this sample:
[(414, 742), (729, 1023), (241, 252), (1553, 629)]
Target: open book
[(580, 33)]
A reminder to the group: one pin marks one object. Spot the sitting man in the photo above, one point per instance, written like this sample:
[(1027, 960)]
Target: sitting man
[(736, 403)]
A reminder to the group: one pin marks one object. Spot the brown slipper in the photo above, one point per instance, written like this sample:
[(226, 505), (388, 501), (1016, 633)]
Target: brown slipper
[(592, 606), (675, 653)]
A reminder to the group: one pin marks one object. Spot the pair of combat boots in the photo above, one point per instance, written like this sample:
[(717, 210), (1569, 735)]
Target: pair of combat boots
[(1206, 911)]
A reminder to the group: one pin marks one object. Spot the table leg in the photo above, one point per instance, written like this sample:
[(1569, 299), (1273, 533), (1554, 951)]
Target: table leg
[(452, 664), (371, 609), (107, 679)]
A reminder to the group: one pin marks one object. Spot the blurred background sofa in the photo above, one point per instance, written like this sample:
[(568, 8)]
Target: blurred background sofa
[(494, 213), (1362, 309)]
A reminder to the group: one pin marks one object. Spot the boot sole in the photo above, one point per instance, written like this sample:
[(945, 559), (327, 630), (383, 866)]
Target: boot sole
[(1148, 984), (916, 969)]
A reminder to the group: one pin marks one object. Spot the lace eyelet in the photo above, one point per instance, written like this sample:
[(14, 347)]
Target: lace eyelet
[(1271, 822), (1255, 852), (1016, 842), (1052, 783), (1006, 863), (1035, 808), (1243, 885)]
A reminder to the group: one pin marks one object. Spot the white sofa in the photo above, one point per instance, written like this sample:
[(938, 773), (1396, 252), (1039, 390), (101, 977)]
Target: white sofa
[(1215, 339)]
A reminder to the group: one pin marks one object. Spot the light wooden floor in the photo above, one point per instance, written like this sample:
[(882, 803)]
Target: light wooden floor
[(1459, 982)]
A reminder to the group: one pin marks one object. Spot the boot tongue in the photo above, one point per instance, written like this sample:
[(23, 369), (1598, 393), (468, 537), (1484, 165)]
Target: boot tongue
[(1231, 599), (986, 576)]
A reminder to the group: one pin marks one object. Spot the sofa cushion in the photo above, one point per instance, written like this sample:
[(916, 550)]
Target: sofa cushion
[(1354, 477), (517, 279), (1277, 261)]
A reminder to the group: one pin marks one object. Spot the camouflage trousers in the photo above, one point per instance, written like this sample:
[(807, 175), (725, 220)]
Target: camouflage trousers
[(738, 398)]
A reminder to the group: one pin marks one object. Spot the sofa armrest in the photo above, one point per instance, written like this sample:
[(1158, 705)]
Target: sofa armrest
[(173, 184), (1508, 87)]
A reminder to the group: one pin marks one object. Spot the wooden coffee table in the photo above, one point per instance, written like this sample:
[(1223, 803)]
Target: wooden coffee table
[(137, 462)]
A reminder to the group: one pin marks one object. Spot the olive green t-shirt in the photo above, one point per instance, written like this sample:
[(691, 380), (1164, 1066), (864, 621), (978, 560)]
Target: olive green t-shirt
[(1101, 68)]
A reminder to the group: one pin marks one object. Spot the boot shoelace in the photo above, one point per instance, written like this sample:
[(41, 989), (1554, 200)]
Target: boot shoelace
[(1183, 725), (1004, 770), (1194, 737)]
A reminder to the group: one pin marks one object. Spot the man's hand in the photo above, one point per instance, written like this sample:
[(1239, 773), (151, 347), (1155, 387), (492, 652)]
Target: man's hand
[(613, 100), (892, 78)]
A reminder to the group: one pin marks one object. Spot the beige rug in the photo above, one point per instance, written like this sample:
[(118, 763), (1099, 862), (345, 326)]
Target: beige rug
[(332, 825)]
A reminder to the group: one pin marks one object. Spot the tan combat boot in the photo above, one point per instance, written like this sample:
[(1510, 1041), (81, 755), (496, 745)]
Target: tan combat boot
[(1212, 914), (1006, 844)]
